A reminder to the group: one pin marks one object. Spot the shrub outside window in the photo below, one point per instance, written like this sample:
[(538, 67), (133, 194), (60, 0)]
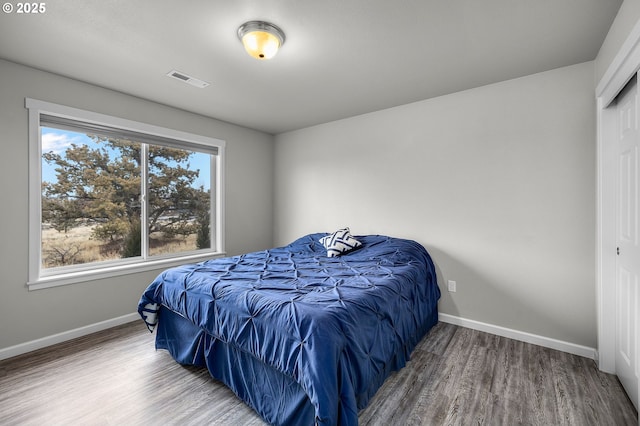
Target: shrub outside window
[(111, 196)]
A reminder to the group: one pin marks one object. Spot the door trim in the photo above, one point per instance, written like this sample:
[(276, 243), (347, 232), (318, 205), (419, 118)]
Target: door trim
[(623, 67)]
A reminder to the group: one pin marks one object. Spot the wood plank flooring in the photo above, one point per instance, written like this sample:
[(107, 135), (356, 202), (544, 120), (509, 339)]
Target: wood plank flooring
[(456, 376)]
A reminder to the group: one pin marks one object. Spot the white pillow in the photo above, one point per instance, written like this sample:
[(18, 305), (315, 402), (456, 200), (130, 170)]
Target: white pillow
[(339, 242)]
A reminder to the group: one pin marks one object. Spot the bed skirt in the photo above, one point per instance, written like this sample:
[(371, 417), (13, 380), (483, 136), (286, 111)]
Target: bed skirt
[(277, 398), (274, 396)]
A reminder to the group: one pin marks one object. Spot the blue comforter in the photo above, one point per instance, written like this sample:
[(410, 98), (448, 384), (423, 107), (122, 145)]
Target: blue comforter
[(338, 326)]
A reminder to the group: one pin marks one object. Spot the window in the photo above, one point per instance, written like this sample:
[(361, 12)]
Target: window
[(110, 196)]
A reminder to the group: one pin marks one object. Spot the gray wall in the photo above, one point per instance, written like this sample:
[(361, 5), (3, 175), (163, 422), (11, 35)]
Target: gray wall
[(497, 182), (26, 316)]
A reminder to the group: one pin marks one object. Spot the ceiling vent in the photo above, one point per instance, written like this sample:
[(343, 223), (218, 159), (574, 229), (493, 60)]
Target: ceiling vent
[(187, 79)]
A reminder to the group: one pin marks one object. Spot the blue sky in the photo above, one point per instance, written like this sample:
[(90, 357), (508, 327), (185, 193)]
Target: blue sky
[(57, 141)]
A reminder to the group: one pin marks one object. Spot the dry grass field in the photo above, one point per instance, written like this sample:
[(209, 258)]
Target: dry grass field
[(77, 246)]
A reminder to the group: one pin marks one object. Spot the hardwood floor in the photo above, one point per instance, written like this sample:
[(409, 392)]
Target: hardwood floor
[(456, 376)]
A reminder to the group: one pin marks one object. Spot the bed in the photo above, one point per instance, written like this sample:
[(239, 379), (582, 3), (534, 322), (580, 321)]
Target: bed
[(301, 334)]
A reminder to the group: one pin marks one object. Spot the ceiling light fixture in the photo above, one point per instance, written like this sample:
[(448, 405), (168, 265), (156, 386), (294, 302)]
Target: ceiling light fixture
[(261, 39)]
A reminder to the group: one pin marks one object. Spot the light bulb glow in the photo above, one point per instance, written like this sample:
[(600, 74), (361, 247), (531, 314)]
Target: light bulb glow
[(261, 39), (260, 44)]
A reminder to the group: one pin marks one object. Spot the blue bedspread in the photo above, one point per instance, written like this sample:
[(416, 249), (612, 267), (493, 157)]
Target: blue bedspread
[(338, 326)]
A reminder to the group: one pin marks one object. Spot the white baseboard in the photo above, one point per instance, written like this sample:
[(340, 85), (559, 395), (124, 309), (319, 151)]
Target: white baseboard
[(522, 336), (451, 319), (23, 348)]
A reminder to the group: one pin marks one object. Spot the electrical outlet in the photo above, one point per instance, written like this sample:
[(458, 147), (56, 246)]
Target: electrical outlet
[(451, 285)]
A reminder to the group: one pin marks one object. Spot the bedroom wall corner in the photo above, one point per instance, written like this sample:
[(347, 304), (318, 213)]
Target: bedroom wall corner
[(29, 316), (497, 182)]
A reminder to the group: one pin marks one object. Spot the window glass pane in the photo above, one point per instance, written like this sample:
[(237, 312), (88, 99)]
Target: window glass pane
[(179, 200), (91, 188), (91, 192)]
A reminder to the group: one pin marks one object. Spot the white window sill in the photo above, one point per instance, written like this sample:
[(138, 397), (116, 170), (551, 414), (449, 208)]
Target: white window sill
[(114, 271)]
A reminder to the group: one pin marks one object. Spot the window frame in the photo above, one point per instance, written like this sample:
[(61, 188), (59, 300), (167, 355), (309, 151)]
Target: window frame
[(37, 278)]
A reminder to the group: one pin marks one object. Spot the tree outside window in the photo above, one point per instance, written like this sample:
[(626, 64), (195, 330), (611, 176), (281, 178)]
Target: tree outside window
[(97, 207)]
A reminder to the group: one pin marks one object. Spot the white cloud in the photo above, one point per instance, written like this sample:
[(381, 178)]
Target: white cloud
[(56, 142)]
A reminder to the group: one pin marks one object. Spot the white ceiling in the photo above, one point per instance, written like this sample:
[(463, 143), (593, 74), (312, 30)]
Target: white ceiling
[(341, 57)]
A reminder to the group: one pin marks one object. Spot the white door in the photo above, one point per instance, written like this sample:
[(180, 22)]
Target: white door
[(628, 259)]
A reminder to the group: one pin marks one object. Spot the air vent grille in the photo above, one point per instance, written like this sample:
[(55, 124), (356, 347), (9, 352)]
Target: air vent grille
[(178, 75)]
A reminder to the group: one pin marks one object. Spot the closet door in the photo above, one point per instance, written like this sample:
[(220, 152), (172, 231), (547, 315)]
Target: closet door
[(628, 259)]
